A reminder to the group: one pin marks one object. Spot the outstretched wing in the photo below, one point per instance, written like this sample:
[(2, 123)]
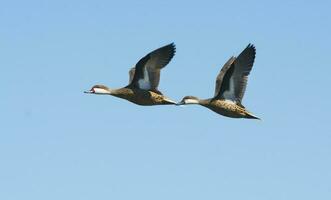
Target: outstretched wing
[(220, 76), (232, 80), (131, 74), (147, 70)]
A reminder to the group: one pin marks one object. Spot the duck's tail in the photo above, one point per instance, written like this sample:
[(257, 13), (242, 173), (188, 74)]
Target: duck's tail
[(251, 116), (168, 101)]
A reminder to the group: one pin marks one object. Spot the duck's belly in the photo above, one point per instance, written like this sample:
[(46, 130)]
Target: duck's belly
[(148, 101), (143, 98), (227, 109)]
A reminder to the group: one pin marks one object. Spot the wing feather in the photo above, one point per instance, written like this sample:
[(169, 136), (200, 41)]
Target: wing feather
[(242, 68), (232, 80), (221, 75), (147, 70), (131, 74)]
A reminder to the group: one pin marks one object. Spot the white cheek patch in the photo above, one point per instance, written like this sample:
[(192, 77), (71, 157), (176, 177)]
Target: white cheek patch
[(191, 101), (100, 91)]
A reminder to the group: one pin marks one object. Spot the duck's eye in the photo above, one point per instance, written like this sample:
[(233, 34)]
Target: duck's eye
[(92, 90)]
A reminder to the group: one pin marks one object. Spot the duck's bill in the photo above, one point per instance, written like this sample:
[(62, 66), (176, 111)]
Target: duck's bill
[(88, 92)]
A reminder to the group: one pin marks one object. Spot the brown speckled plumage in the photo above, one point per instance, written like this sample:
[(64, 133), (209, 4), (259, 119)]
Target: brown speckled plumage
[(230, 87), (141, 97), (226, 108), (144, 80)]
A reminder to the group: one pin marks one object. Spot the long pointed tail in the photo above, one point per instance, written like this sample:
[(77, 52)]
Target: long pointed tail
[(251, 116)]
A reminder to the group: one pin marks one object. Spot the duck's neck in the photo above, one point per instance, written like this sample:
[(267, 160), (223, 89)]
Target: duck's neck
[(204, 102)]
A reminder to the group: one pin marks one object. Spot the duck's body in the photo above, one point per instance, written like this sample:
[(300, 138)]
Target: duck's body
[(141, 97), (226, 108), (230, 87), (144, 80)]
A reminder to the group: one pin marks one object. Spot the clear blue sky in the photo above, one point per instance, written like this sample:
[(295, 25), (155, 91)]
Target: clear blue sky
[(58, 143)]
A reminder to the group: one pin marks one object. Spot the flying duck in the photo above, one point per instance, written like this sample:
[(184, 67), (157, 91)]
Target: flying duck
[(230, 87), (144, 80)]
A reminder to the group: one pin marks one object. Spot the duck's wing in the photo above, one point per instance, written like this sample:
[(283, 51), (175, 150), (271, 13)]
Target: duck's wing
[(232, 80), (131, 74), (146, 74), (220, 76)]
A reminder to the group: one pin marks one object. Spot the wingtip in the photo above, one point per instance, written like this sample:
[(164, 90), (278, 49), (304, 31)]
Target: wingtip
[(173, 46), (251, 46)]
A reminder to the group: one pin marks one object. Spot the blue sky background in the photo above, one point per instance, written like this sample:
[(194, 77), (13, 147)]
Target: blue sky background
[(58, 143)]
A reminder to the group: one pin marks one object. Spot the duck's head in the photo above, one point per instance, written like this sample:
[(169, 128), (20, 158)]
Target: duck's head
[(99, 89), (189, 100)]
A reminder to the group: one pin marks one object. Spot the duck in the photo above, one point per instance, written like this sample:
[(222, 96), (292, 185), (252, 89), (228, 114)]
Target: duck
[(230, 87), (144, 79)]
